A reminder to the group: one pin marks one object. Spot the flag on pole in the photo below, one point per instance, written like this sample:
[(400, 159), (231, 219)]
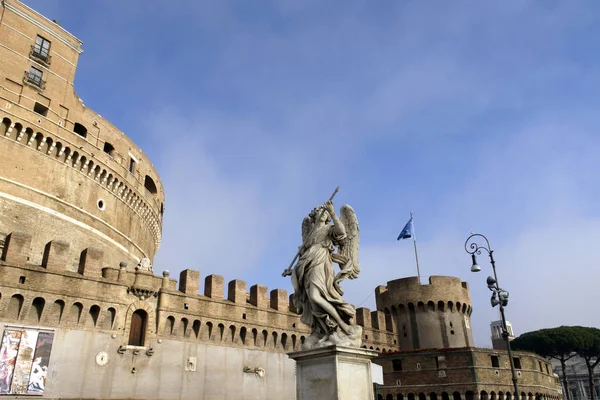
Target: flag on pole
[(407, 232)]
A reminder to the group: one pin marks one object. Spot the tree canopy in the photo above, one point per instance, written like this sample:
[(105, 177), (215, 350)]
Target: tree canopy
[(562, 343)]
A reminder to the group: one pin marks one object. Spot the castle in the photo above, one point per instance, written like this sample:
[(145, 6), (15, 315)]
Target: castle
[(82, 314)]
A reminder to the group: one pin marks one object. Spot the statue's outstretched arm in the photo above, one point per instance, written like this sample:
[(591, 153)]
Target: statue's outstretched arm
[(338, 226)]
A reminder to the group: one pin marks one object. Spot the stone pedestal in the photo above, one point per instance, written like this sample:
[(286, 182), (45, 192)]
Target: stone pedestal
[(334, 373)]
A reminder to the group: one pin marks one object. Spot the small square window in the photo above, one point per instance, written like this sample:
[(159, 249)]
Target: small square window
[(22, 279), (495, 361), (397, 364), (40, 109), (108, 148), (132, 165)]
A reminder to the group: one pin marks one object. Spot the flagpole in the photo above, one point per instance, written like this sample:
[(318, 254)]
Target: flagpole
[(414, 235)]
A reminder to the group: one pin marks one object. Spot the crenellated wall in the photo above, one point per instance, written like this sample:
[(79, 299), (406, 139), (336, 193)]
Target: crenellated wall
[(102, 298), (436, 315)]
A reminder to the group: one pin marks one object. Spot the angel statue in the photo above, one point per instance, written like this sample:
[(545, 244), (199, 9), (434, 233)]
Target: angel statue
[(317, 292)]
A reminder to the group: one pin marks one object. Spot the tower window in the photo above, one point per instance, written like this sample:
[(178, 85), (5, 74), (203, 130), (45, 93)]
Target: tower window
[(132, 165), (40, 109), (397, 365), (34, 76), (150, 185), (41, 49), (108, 148), (495, 361), (517, 362), (80, 129)]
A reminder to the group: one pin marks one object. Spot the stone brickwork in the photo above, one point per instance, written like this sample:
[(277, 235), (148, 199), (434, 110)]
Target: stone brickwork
[(99, 298), (436, 315), (80, 205), (64, 167), (465, 374)]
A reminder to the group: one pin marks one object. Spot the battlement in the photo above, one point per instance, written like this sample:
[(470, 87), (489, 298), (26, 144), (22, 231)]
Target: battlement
[(441, 292), (434, 315), (257, 318), (16, 253)]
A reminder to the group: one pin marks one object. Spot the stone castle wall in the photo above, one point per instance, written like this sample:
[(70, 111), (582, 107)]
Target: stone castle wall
[(228, 331)]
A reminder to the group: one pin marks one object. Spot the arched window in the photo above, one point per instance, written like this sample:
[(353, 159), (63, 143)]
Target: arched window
[(5, 126), (196, 328), (80, 129), (389, 397), (37, 307), (14, 306), (76, 310), (170, 325), (456, 396), (445, 396), (57, 311), (137, 330), (150, 185), (422, 396), (243, 334), (109, 318), (183, 325), (468, 395), (484, 395), (94, 314)]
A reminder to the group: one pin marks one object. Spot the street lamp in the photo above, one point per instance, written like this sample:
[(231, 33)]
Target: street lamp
[(499, 296)]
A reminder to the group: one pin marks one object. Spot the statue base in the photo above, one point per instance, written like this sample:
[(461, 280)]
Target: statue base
[(334, 373)]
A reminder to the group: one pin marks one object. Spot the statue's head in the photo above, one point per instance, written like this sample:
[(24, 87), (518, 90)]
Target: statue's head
[(319, 211)]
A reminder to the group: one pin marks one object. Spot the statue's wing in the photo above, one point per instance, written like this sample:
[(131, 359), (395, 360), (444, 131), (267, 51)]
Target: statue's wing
[(349, 246), (306, 228)]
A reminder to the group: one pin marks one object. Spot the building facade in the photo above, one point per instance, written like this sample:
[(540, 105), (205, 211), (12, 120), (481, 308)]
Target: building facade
[(578, 378), (65, 169), (82, 314)]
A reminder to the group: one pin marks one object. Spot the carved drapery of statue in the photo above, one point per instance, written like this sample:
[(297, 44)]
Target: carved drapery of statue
[(317, 292)]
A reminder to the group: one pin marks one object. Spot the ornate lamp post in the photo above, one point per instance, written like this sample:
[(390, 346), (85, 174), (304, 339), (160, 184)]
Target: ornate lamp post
[(499, 296)]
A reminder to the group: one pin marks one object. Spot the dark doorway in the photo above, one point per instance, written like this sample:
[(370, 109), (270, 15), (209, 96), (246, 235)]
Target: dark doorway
[(137, 331)]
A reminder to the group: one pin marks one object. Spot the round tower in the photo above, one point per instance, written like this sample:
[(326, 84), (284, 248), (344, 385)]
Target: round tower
[(68, 174), (436, 315)]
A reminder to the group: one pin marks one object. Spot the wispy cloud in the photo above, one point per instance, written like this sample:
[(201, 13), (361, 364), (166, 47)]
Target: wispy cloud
[(476, 116)]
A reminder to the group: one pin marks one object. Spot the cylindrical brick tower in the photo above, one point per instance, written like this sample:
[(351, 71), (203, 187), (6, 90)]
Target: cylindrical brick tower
[(436, 315), (66, 172)]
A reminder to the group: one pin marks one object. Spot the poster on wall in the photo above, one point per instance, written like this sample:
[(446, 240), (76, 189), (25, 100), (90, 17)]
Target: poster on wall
[(24, 361), (8, 357), (24, 358), (41, 358)]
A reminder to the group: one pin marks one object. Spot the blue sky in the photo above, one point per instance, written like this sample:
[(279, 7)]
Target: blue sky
[(475, 116)]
